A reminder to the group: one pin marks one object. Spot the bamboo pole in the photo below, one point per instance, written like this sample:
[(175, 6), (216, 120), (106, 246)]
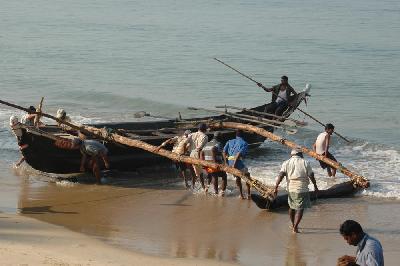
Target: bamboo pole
[(265, 191), (357, 180)]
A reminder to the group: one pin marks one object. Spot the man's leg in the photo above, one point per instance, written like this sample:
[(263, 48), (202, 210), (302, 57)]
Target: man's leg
[(214, 177), (291, 215), (239, 185), (248, 186), (96, 169), (193, 175), (224, 182), (299, 216), (281, 107)]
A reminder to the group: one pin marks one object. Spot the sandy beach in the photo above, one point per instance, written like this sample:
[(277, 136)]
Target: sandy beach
[(146, 215)]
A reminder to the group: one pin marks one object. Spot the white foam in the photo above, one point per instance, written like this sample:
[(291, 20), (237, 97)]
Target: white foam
[(378, 163)]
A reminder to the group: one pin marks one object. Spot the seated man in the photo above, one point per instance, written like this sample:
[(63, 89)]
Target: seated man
[(281, 94), (95, 150)]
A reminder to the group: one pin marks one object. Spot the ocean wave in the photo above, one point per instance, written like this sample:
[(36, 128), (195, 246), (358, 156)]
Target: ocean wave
[(376, 162)]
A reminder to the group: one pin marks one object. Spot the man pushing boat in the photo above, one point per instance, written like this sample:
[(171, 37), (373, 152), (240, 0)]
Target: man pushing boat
[(96, 151)]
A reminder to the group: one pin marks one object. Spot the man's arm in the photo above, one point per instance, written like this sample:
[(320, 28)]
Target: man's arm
[(263, 87), (165, 143), (278, 181), (346, 261), (312, 178)]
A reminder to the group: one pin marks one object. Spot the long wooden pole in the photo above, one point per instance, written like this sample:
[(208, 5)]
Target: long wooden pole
[(358, 180), (265, 191), (298, 108)]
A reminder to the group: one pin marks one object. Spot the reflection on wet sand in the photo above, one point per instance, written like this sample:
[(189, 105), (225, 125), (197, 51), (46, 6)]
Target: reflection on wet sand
[(294, 256), (158, 217)]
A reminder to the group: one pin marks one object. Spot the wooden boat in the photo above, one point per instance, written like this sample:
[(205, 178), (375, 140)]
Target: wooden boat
[(44, 156)]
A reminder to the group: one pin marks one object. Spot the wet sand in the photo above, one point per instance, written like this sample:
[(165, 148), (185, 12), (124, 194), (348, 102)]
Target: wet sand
[(26, 241), (156, 216)]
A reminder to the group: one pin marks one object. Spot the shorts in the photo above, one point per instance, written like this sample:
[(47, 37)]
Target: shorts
[(299, 201), (324, 165), (180, 166)]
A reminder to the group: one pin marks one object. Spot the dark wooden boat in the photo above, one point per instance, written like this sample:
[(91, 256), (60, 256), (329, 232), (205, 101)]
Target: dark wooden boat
[(44, 156)]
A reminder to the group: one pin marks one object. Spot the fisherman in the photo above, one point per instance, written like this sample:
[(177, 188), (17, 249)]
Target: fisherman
[(321, 146), (369, 249), (62, 115), (298, 171), (181, 145), (95, 150), (234, 152), (197, 142), (29, 118), (281, 94), (212, 152), (20, 134)]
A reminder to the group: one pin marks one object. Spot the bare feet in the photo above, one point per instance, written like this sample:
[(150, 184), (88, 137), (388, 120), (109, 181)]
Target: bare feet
[(295, 230), (222, 194)]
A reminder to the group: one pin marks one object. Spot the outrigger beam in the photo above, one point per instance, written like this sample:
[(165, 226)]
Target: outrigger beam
[(357, 180)]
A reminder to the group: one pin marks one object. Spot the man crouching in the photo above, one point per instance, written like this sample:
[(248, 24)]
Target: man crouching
[(96, 151)]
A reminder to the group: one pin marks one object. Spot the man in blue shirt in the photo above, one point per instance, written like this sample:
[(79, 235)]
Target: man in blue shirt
[(234, 152), (369, 249)]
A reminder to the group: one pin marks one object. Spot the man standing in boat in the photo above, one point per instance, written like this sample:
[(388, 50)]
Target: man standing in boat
[(321, 146), (234, 152), (181, 145), (212, 152), (197, 142), (298, 172), (281, 94), (96, 151)]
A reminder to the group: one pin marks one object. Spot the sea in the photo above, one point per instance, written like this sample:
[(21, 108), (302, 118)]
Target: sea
[(104, 61)]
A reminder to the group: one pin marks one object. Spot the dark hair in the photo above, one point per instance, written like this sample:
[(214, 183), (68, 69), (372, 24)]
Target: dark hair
[(349, 227), (329, 126), (285, 78), (239, 133), (32, 109), (202, 127)]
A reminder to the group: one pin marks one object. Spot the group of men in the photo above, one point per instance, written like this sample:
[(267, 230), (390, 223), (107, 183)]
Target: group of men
[(197, 145)]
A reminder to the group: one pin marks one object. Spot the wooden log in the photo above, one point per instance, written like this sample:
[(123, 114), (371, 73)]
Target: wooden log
[(358, 180), (340, 190)]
